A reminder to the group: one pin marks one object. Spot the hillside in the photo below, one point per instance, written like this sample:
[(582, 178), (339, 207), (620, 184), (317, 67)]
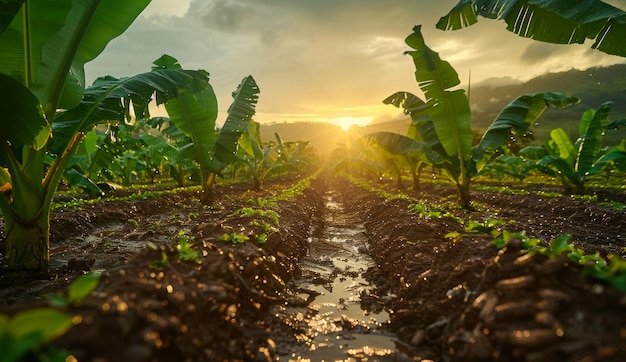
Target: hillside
[(593, 86), (324, 136)]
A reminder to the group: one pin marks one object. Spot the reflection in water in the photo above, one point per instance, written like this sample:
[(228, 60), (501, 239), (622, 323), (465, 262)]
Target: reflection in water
[(333, 326)]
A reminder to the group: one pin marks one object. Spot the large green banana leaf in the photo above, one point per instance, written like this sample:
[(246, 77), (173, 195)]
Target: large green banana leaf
[(617, 156), (102, 101), (422, 128), (518, 116), (161, 146), (552, 21), (566, 148), (561, 166), (195, 114), (411, 104), (22, 120), (48, 42), (250, 141), (394, 143), (8, 10), (589, 144), (240, 114), (449, 110)]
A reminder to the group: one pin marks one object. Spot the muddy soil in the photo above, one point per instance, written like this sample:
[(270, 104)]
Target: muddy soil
[(445, 301)]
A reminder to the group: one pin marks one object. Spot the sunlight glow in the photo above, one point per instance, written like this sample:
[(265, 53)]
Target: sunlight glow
[(347, 122)]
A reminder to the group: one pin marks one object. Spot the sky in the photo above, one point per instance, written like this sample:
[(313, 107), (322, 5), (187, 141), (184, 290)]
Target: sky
[(326, 60)]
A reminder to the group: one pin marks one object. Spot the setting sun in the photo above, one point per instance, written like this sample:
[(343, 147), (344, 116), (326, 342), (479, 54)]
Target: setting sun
[(347, 122)]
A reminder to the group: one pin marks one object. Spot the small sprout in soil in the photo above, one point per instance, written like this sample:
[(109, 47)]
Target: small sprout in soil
[(261, 202), (185, 252), (490, 226), (433, 212), (613, 205), (250, 212), (28, 334), (235, 238), (134, 223), (160, 264), (261, 239), (263, 225), (155, 225), (192, 216)]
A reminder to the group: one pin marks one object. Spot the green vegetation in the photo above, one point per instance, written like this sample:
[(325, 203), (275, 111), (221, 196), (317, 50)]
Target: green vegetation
[(440, 135), (611, 270), (185, 252), (43, 110), (574, 163), (27, 335), (195, 114), (80, 289), (235, 238), (250, 212), (548, 21), (160, 264)]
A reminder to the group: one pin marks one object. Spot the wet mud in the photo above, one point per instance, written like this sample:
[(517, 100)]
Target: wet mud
[(330, 321), (346, 275)]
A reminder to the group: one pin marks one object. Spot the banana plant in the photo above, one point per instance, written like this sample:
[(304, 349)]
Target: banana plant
[(196, 113), (294, 156), (552, 21), (46, 108), (358, 157), (574, 163), (443, 120), (258, 158), (174, 148), (406, 151)]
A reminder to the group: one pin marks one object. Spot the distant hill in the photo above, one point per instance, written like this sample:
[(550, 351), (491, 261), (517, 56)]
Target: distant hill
[(325, 136), (593, 86)]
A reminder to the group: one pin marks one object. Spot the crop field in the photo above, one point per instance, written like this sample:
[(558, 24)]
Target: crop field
[(179, 279), (190, 237)]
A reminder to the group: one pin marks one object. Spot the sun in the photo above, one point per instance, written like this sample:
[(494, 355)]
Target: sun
[(346, 122)]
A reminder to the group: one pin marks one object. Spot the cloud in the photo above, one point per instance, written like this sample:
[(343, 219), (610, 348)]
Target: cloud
[(537, 52), (166, 8), (322, 57), (226, 16)]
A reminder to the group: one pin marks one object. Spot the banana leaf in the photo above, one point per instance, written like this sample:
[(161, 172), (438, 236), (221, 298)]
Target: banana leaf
[(448, 109), (519, 116), (195, 115), (102, 101), (250, 141), (81, 29), (566, 148), (23, 122), (240, 114), (589, 144), (552, 21), (393, 143), (561, 166)]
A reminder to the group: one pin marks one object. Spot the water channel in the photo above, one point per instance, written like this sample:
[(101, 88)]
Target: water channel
[(333, 324)]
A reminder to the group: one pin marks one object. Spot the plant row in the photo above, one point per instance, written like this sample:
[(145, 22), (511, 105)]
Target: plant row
[(610, 269), (440, 136)]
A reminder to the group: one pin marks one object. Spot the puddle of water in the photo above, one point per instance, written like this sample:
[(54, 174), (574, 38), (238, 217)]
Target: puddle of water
[(336, 327)]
